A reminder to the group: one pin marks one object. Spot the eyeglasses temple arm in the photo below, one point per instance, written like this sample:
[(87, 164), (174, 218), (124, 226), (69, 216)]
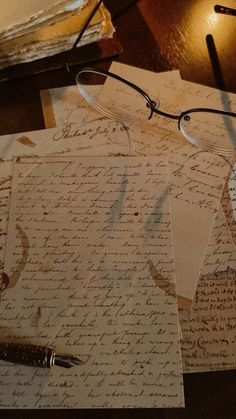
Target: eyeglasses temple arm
[(86, 23), (84, 27)]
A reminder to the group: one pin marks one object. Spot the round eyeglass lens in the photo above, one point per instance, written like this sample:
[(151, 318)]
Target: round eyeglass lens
[(210, 131), (115, 99)]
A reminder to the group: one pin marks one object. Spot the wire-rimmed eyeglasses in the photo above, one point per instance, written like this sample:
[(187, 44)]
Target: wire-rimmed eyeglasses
[(119, 99), (209, 129)]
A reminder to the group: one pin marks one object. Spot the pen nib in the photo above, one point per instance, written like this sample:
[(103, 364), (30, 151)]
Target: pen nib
[(67, 361)]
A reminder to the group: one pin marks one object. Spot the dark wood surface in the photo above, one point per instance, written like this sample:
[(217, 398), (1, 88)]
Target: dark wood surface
[(157, 35)]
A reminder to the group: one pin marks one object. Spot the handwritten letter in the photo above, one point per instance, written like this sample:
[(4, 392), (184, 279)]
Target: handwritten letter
[(100, 243), (196, 188), (98, 138), (221, 251), (232, 190), (209, 330)]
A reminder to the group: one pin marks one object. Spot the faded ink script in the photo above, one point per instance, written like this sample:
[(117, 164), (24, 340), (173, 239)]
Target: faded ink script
[(197, 183), (232, 190), (99, 137), (209, 330), (5, 188), (197, 179), (97, 282), (221, 251)]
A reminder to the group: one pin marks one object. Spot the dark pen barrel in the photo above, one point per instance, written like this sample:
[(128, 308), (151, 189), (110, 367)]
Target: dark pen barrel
[(224, 10), (31, 355)]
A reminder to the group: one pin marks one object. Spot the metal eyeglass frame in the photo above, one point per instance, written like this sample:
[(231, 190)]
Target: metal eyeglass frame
[(83, 29), (151, 104)]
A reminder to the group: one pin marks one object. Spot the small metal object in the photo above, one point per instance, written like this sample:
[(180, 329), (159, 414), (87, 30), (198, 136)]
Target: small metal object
[(36, 356), (224, 10)]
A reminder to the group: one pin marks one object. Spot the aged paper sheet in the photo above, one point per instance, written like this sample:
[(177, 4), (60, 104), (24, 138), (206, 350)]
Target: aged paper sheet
[(208, 342), (232, 190), (197, 179), (65, 105), (202, 96), (220, 252), (117, 308), (98, 138)]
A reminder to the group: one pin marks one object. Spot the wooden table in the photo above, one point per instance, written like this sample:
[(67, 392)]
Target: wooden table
[(157, 35)]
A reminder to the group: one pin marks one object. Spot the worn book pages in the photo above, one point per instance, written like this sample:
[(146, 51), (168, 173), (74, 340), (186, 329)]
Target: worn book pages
[(118, 310), (57, 37), (19, 17)]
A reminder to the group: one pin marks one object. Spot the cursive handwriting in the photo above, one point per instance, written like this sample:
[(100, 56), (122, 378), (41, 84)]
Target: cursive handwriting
[(93, 225), (209, 331)]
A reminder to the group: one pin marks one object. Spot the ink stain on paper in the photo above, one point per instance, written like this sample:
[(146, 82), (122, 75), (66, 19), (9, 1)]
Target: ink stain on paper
[(37, 317), (156, 215), (162, 282), (116, 208), (45, 268), (9, 281), (4, 282), (26, 141)]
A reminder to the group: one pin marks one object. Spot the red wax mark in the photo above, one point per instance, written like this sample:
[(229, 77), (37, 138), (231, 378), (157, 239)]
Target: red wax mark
[(5, 281)]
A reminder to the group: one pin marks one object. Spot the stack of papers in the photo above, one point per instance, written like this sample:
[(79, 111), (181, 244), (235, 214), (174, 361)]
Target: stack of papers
[(33, 30), (204, 241), (108, 255)]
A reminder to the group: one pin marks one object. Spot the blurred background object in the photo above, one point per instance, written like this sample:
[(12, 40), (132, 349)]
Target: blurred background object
[(34, 30)]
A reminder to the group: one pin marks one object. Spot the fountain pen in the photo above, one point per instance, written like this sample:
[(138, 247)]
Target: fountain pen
[(36, 356)]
